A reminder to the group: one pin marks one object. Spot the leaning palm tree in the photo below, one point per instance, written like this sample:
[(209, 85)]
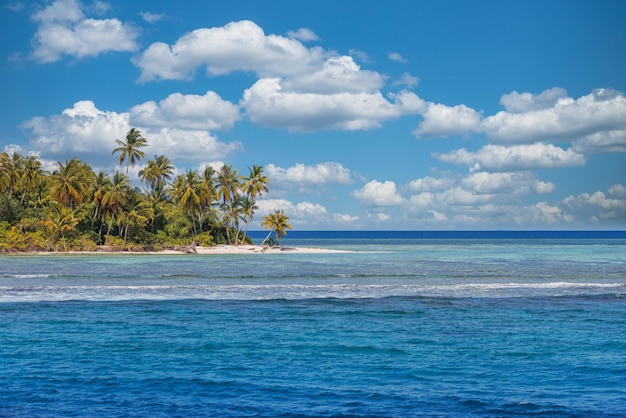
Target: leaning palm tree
[(129, 150), (276, 222)]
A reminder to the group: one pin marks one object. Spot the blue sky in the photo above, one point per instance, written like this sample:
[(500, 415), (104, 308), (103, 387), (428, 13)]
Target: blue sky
[(365, 115)]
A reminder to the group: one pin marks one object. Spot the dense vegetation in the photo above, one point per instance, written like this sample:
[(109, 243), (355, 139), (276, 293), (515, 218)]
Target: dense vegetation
[(75, 208)]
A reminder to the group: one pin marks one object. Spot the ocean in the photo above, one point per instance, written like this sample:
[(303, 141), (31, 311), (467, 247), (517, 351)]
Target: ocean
[(403, 324)]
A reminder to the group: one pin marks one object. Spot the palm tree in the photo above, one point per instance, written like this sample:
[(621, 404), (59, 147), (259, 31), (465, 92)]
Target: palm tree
[(228, 183), (157, 172), (129, 150), (69, 184), (276, 222), (248, 206), (256, 183), (10, 172), (137, 211), (99, 187), (158, 200), (30, 175), (187, 192), (115, 197), (60, 220), (229, 186)]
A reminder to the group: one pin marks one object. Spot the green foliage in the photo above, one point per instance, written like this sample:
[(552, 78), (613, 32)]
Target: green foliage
[(9, 209), (74, 209)]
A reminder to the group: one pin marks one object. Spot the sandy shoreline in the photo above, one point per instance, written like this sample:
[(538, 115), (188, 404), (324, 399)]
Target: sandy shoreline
[(199, 250)]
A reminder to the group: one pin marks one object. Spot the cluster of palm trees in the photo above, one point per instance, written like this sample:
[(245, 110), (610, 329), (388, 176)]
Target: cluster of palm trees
[(74, 204)]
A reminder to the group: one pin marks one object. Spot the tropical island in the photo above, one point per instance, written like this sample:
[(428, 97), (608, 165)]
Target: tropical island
[(73, 208)]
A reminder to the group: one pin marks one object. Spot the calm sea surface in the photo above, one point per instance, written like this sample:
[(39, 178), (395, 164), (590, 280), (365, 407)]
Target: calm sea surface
[(405, 324)]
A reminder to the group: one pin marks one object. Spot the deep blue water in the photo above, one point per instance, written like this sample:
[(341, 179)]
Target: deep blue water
[(402, 325)]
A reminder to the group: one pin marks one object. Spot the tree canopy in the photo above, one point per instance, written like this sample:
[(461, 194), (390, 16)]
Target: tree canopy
[(75, 208)]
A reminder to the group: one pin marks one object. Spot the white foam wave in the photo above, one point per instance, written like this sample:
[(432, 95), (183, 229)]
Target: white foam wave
[(299, 291)]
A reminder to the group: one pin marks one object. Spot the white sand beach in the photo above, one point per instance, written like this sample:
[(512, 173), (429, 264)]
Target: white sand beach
[(200, 250)]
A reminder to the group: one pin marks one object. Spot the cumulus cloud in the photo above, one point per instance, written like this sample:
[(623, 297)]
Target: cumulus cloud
[(303, 34), (337, 74), (375, 193), (187, 111), (267, 104), (542, 213), (520, 182), (526, 102), (299, 88), (551, 116), (519, 157), (429, 183), (602, 142), (63, 29), (88, 132), (442, 121), (610, 205), (238, 46), (319, 174)]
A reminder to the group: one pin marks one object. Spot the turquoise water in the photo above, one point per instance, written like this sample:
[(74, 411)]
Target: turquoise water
[(405, 326)]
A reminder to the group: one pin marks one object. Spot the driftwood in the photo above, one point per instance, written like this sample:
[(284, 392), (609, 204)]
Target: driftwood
[(191, 249)]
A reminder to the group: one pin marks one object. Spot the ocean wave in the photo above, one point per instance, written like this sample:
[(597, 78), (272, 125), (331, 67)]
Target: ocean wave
[(35, 293)]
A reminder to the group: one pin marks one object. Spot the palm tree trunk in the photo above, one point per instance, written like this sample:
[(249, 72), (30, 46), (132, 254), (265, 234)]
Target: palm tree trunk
[(267, 237), (110, 224)]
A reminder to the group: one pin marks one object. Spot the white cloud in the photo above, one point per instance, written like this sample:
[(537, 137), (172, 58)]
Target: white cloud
[(267, 104), (299, 89), (550, 116), (511, 183), (442, 121), (542, 213), (337, 74), (513, 158), (88, 132), (345, 219), (407, 80), (361, 55), (319, 174), (189, 111), (379, 217), (80, 130), (396, 56), (463, 197), (602, 142), (610, 205), (304, 214), (526, 102), (64, 30), (238, 46), (152, 17), (429, 183), (375, 193), (304, 35)]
